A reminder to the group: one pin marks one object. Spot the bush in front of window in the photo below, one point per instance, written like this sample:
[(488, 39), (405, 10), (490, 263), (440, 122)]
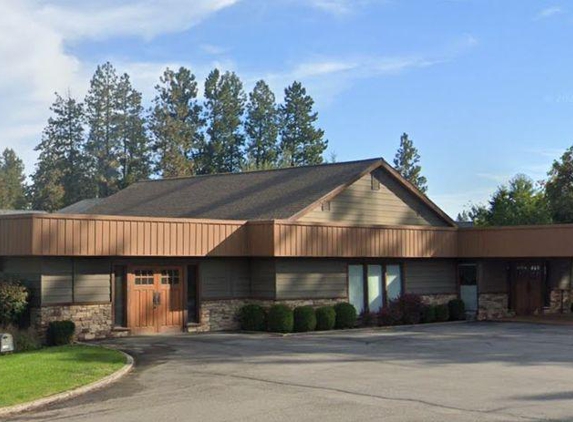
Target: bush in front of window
[(428, 314), (253, 318), (13, 301), (280, 319), (304, 319), (409, 306), (442, 313), (345, 315), (389, 316), (457, 310), (325, 318), (61, 332)]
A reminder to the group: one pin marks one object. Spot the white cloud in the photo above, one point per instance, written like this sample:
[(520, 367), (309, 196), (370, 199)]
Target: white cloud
[(549, 12), (340, 7), (34, 36)]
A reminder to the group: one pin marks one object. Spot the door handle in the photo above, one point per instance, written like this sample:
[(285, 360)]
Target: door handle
[(156, 299)]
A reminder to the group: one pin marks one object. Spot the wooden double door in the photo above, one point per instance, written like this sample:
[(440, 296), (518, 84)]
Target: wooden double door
[(527, 287), (155, 299)]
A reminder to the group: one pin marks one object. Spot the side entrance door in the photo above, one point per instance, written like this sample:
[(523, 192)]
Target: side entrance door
[(155, 299), (527, 287)]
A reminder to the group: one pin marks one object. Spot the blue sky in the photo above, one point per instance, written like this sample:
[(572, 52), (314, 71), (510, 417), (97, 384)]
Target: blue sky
[(483, 87)]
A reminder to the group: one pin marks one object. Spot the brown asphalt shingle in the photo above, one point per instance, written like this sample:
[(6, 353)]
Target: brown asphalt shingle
[(257, 195)]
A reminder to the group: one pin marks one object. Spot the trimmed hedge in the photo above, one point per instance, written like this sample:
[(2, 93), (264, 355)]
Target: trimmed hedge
[(457, 310), (61, 333), (442, 313), (280, 319), (304, 319), (345, 315), (325, 318), (428, 314), (253, 318)]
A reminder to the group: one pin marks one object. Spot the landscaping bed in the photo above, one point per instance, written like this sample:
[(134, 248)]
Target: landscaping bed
[(45, 372)]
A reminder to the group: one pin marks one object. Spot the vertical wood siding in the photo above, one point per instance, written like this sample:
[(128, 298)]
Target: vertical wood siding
[(313, 240)]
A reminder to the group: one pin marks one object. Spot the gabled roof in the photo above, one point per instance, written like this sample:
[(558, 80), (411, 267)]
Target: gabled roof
[(80, 206), (255, 195)]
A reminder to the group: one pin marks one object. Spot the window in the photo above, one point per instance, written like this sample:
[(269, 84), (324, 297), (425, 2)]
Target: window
[(143, 277), (325, 206), (170, 277), (374, 183), (372, 286), (356, 287)]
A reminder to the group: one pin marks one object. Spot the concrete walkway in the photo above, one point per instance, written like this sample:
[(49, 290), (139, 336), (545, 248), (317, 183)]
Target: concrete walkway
[(459, 372)]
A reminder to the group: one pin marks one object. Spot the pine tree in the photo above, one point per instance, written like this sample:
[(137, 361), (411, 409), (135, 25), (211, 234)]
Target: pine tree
[(103, 144), (129, 127), (176, 123), (559, 188), (406, 162), (63, 174), (12, 187), (301, 143), (224, 107), (261, 128)]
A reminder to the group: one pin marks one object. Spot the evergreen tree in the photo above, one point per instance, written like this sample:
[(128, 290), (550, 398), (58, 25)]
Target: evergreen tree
[(224, 107), (519, 203), (103, 144), (301, 143), (63, 174), (176, 123), (407, 163), (12, 188), (129, 127), (559, 188), (261, 127)]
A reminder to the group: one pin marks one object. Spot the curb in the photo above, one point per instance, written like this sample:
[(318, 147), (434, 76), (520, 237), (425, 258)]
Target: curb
[(96, 385)]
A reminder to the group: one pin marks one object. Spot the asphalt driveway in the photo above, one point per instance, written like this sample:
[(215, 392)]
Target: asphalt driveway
[(453, 372)]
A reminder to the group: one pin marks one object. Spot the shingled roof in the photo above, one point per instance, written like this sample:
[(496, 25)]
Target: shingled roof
[(254, 195)]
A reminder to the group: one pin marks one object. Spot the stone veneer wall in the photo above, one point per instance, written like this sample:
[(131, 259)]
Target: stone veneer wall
[(559, 301), (92, 321), (219, 315), (441, 299), (493, 306)]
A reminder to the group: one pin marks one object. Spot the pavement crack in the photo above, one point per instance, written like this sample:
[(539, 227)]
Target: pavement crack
[(367, 395)]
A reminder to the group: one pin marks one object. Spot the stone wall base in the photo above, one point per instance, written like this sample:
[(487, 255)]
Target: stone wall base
[(493, 306), (220, 315), (441, 299), (559, 302), (92, 321)]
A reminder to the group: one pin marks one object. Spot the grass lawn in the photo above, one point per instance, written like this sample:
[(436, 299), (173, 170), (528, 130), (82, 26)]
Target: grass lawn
[(32, 375)]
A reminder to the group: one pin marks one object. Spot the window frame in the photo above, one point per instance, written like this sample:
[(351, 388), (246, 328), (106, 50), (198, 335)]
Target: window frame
[(383, 264)]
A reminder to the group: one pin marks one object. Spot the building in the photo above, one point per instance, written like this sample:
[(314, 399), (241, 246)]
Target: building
[(186, 253)]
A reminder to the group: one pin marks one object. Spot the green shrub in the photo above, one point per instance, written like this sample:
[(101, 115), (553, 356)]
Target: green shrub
[(345, 315), (60, 333), (13, 301), (280, 319), (428, 314), (457, 310), (253, 318), (325, 318), (442, 313), (304, 319)]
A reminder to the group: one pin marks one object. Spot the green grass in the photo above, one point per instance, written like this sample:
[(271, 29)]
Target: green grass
[(32, 375)]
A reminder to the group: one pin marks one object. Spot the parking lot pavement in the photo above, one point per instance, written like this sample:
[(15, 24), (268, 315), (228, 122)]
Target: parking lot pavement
[(439, 372)]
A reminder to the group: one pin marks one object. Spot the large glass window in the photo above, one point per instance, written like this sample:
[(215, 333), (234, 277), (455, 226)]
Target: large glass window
[(371, 286), (393, 281), (375, 288), (356, 287)]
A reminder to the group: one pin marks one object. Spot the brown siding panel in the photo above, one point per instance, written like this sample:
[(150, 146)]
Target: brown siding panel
[(310, 278), (430, 276)]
